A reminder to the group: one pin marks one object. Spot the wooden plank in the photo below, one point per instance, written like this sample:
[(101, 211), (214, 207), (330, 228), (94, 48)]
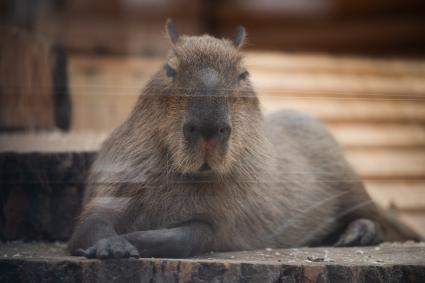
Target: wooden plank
[(110, 85), (337, 86), (350, 110), (99, 112), (398, 194), (330, 76), (416, 220), (112, 72), (388, 164), (51, 142), (383, 135), (322, 63)]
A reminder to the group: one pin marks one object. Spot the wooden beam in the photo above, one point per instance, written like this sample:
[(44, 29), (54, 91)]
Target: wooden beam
[(351, 110), (398, 194), (388, 164)]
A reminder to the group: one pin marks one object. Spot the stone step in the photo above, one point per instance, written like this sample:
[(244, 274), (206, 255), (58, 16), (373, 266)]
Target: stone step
[(42, 262), (41, 193)]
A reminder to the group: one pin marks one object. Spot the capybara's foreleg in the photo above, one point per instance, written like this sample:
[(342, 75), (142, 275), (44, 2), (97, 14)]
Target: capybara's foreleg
[(360, 232), (182, 241)]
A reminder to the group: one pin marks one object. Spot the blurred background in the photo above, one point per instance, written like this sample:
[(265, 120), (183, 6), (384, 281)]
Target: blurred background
[(71, 71)]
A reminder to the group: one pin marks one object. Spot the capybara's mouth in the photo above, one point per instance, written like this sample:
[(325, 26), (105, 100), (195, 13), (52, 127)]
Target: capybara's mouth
[(197, 177), (205, 167)]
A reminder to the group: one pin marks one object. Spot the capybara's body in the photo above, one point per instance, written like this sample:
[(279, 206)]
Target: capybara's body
[(197, 168)]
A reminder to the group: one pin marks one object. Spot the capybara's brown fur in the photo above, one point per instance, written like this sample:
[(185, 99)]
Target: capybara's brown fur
[(196, 167)]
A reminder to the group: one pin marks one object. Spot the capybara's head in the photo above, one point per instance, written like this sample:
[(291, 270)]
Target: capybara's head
[(209, 113)]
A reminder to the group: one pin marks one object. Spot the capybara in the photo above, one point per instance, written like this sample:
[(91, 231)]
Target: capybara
[(196, 167)]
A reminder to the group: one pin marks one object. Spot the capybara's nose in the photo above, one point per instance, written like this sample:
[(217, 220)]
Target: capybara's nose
[(207, 130)]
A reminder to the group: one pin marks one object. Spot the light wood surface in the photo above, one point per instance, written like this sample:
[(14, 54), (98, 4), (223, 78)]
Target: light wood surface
[(26, 81)]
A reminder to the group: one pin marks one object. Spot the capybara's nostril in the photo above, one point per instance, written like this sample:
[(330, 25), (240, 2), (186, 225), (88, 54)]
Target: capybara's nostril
[(208, 131), (225, 131), (215, 130), (190, 131)]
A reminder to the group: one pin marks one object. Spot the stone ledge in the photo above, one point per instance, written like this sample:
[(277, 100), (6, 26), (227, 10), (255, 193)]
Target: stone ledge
[(41, 193), (43, 262)]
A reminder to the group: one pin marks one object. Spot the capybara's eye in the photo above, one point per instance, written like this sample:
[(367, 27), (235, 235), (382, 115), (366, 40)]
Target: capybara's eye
[(170, 71), (242, 76)]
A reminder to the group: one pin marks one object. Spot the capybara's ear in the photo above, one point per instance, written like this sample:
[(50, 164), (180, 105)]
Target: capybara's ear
[(239, 38), (171, 31)]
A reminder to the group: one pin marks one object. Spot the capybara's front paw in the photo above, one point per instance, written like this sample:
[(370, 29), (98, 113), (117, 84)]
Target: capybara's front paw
[(114, 247), (361, 232)]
